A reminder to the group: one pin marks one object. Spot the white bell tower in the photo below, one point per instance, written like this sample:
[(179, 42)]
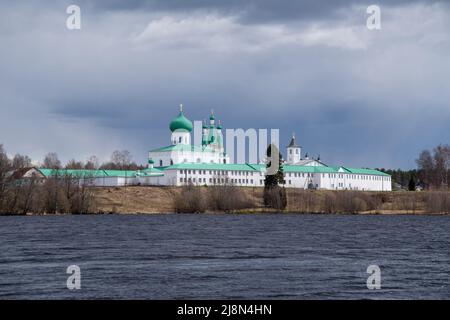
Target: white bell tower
[(294, 154)]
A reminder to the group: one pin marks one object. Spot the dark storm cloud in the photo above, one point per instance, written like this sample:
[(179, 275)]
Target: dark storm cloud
[(250, 10), (353, 96)]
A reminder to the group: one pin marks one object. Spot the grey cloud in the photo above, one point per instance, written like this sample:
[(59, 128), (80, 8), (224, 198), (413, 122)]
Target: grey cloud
[(97, 90), (250, 11)]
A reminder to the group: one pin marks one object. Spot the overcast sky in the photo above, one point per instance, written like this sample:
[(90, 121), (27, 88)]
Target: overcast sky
[(356, 97)]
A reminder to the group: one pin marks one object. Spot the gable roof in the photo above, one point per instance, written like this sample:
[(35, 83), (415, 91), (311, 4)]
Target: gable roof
[(20, 173), (365, 171), (308, 161)]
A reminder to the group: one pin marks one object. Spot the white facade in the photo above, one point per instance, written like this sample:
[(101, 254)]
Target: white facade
[(339, 180), (186, 153)]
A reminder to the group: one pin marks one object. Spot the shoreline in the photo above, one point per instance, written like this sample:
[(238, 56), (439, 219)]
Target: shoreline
[(147, 200), (383, 213)]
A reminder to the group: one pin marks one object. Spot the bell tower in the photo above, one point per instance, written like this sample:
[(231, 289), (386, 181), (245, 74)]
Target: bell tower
[(293, 151)]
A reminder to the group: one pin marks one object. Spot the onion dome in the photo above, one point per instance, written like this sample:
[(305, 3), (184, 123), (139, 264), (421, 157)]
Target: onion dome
[(150, 161), (181, 123)]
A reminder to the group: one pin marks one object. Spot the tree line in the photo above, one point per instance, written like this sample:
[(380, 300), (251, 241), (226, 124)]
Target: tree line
[(59, 193), (433, 168), (432, 172), (119, 160)]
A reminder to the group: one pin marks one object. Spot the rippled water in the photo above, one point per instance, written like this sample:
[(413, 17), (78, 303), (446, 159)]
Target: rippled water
[(225, 256)]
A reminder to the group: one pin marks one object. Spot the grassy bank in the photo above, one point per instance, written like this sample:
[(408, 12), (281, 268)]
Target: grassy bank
[(246, 200)]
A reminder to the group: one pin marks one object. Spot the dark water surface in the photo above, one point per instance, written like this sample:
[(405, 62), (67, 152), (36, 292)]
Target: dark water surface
[(225, 256)]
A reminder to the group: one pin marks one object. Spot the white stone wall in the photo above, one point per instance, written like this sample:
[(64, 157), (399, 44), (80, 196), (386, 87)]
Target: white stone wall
[(216, 177), (168, 158), (177, 177), (182, 137), (339, 181)]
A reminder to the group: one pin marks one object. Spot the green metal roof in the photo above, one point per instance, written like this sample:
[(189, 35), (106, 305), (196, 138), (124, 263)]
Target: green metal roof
[(320, 169), (76, 173), (150, 172), (100, 173), (181, 123), (308, 169), (365, 171), (183, 147), (120, 173)]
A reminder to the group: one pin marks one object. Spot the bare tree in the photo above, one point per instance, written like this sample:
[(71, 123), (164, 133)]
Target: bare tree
[(434, 169), (51, 161), (122, 159), (442, 165), (425, 164), (5, 167), (92, 163), (20, 161), (73, 164)]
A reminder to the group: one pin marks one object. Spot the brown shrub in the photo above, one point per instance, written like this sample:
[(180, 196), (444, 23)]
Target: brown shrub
[(190, 200), (275, 197), (437, 202), (227, 198), (304, 201)]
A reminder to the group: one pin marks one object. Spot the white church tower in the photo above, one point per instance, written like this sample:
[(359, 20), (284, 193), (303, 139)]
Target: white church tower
[(293, 151)]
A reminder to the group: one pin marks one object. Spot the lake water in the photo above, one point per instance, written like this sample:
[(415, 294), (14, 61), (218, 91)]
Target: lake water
[(225, 256)]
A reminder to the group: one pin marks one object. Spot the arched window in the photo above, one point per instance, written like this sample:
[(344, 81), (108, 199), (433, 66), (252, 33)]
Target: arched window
[(198, 160), (224, 160), (160, 163), (171, 162), (179, 140)]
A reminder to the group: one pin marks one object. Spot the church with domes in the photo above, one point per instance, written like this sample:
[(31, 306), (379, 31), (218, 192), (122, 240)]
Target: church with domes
[(181, 149)]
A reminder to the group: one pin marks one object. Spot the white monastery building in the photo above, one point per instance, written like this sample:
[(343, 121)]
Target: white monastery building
[(181, 163)]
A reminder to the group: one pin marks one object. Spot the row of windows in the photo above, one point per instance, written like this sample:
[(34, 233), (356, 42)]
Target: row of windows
[(161, 162), (340, 176), (217, 172), (298, 174), (340, 185), (218, 180), (289, 174)]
